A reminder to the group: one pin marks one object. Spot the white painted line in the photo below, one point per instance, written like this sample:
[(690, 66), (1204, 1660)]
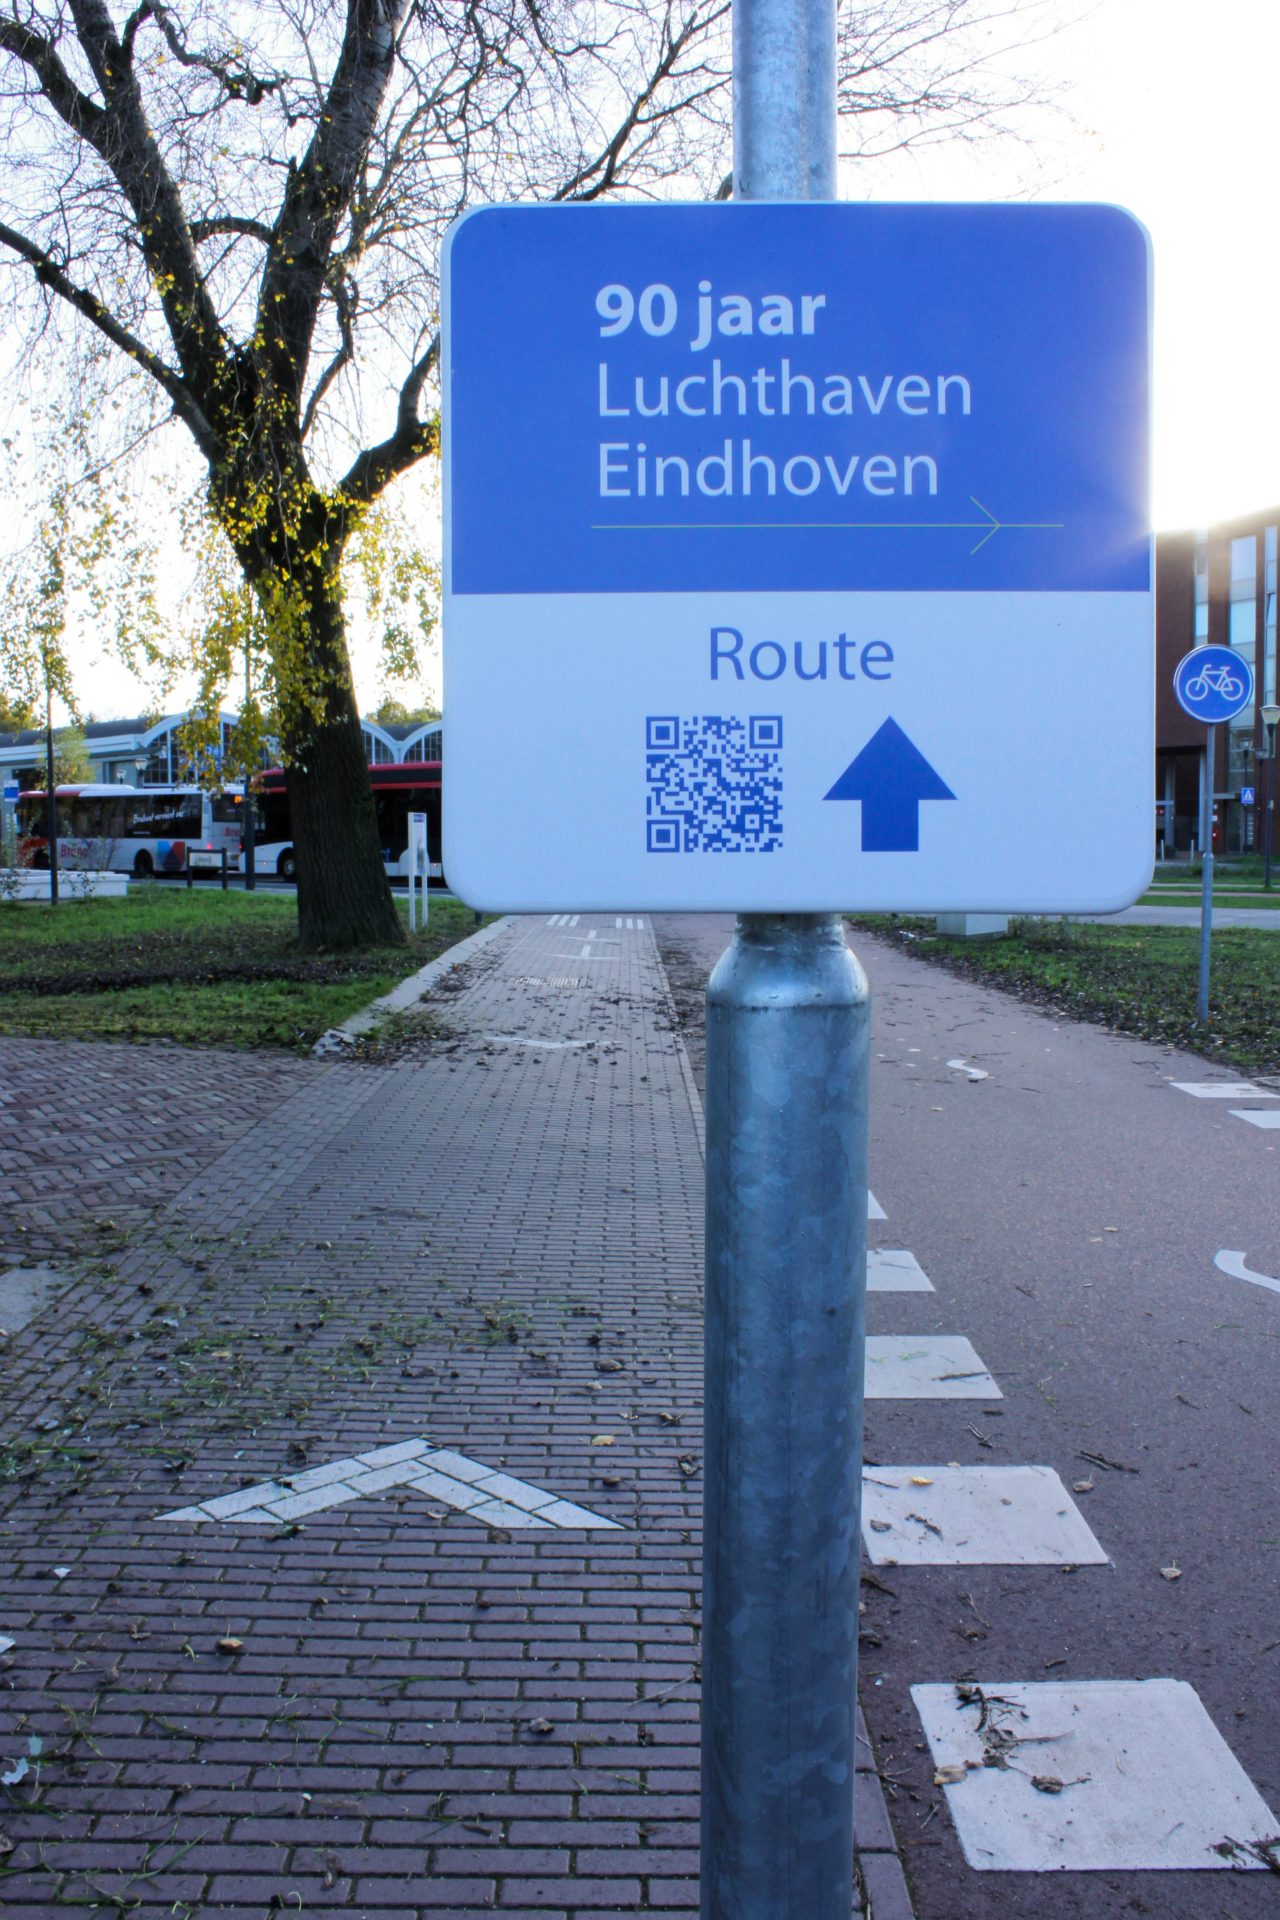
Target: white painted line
[(1134, 1775), (6, 1643), (894, 1270), (496, 1513), (1224, 1090), (938, 1366), (874, 1210), (1236, 1265), (970, 1073), (442, 1486), (295, 1506), (1269, 1117), (536, 1041), (973, 1517), (517, 1493), (468, 1486), (228, 1505)]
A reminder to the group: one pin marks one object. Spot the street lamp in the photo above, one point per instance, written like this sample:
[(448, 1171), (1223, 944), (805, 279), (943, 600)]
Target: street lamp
[(1270, 718), (140, 762)]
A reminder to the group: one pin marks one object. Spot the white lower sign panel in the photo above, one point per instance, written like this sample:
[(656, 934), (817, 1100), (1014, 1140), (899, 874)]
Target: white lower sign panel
[(795, 752)]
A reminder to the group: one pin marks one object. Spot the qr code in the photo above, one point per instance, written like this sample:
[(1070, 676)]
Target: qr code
[(714, 783)]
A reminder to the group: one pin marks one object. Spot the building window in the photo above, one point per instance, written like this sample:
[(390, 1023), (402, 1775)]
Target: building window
[(1201, 590), (1242, 614)]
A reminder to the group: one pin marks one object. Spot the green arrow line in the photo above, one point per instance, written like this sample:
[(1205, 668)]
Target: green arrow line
[(988, 527)]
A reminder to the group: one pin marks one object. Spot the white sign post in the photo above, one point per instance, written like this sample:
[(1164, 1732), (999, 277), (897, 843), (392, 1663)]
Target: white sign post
[(419, 868)]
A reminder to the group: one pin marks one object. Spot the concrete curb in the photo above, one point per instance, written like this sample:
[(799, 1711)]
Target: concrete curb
[(409, 993)]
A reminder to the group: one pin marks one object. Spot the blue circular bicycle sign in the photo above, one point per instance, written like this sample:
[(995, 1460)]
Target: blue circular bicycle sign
[(1213, 684)]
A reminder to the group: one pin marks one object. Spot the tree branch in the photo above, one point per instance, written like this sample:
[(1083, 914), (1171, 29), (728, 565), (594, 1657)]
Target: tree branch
[(344, 299), (230, 223), (51, 275), (376, 467), (322, 187), (76, 109), (129, 148)]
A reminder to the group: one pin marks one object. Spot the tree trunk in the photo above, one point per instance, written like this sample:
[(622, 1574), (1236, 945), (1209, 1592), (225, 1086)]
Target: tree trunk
[(344, 899)]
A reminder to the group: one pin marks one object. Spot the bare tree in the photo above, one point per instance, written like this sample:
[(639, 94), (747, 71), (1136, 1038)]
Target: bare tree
[(245, 199)]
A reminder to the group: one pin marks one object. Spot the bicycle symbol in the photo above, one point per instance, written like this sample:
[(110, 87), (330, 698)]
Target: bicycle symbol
[(1219, 680), (1212, 684)]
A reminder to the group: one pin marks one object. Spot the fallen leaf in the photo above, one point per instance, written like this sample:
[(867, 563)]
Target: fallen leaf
[(542, 1727), (229, 1644), (1047, 1783), (688, 1463), (948, 1776), (921, 1480), (1082, 1486), (1171, 1573), (880, 1526), (603, 1439)]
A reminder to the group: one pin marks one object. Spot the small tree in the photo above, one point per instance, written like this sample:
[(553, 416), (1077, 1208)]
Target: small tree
[(71, 761)]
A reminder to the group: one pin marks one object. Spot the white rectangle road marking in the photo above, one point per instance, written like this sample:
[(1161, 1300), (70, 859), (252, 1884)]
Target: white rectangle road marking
[(1141, 1778), (874, 1210), (973, 1517), (1223, 1090), (937, 1366), (894, 1270), (1268, 1118)]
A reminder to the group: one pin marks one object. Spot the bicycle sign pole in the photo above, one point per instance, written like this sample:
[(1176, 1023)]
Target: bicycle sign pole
[(1212, 684)]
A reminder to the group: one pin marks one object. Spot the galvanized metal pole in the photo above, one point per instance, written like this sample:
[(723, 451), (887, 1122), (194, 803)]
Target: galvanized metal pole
[(1206, 884), (787, 1097)]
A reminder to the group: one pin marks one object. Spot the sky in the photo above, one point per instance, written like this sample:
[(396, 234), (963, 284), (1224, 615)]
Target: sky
[(1176, 123)]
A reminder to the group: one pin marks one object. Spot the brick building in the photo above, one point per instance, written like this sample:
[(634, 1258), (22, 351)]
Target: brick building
[(1215, 586)]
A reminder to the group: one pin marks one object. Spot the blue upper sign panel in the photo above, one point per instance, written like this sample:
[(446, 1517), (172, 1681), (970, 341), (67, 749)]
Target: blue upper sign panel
[(797, 398)]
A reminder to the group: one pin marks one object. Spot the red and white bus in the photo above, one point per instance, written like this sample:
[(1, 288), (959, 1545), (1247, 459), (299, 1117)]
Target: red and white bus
[(398, 791), (137, 830)]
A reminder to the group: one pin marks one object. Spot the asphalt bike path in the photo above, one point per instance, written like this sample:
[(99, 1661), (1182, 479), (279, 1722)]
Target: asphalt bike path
[(1071, 1522)]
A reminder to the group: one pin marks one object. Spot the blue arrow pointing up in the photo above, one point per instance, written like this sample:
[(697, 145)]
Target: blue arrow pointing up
[(890, 777)]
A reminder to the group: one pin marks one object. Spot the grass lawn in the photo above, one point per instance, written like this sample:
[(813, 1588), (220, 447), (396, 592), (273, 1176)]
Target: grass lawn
[(1140, 980), (1237, 882), (201, 967)]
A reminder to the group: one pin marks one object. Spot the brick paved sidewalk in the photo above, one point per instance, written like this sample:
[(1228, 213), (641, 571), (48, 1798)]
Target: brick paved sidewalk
[(388, 1707)]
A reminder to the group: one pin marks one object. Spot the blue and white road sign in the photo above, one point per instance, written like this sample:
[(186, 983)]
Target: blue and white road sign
[(797, 557), (11, 791), (1246, 796), (1213, 684)]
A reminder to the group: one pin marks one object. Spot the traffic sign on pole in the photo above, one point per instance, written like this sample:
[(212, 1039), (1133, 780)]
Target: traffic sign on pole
[(1213, 684), (754, 508)]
